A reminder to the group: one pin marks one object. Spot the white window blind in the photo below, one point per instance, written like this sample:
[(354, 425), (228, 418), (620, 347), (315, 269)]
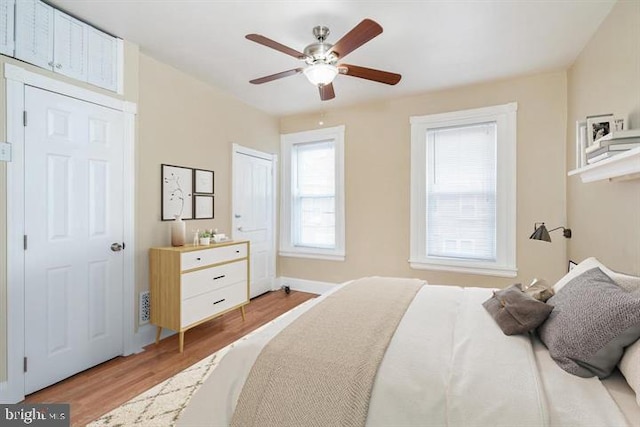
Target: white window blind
[(312, 207), (461, 192), (314, 188)]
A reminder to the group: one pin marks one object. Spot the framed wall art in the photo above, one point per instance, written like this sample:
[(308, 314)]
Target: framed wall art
[(581, 144), (203, 206), (176, 195), (203, 181)]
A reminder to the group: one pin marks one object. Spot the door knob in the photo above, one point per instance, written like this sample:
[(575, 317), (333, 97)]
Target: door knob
[(240, 228), (116, 247), (238, 216)]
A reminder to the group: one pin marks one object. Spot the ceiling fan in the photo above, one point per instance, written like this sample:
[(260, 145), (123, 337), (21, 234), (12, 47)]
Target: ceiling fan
[(322, 58)]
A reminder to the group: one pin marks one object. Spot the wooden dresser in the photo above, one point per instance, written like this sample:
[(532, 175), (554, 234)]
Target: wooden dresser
[(190, 285)]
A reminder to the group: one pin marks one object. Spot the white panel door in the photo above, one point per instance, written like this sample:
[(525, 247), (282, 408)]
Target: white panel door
[(102, 62), (73, 214), (34, 33), (70, 46), (6, 26), (253, 216)]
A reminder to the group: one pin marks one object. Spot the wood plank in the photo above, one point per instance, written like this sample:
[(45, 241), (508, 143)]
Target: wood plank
[(98, 390)]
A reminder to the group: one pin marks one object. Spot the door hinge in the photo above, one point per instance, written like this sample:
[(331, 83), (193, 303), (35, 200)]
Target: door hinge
[(25, 242), (25, 364), (24, 117)]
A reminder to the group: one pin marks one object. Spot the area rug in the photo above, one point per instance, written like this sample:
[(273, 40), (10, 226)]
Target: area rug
[(161, 405)]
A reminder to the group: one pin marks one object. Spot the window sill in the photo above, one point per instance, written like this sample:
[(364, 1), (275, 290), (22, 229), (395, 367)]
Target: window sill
[(468, 269), (312, 255)]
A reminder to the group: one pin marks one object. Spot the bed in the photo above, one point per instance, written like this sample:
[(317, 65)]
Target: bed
[(446, 364)]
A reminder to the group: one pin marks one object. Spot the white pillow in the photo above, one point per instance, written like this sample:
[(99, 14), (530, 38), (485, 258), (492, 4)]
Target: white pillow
[(629, 283), (630, 367)]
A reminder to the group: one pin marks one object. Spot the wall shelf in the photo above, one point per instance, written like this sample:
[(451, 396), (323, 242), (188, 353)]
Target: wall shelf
[(620, 167)]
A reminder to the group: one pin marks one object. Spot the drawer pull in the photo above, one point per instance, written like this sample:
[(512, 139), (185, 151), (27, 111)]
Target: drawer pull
[(198, 259), (218, 302), (238, 252), (218, 277)]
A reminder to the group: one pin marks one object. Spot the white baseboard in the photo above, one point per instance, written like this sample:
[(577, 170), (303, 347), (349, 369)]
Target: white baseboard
[(147, 335), (303, 285)]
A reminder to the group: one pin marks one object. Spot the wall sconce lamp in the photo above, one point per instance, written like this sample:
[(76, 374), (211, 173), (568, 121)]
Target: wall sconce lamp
[(541, 233)]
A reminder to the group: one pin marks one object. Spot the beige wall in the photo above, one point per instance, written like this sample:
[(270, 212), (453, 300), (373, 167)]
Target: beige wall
[(605, 78), (377, 175), (185, 122)]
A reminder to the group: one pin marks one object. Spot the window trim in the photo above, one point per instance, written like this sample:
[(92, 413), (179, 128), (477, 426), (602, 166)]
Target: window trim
[(505, 116), (286, 247)]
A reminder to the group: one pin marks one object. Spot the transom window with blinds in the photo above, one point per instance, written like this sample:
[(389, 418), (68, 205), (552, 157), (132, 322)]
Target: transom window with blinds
[(463, 191), (312, 211)]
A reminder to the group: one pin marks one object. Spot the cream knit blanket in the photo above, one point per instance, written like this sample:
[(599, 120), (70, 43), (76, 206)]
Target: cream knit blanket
[(320, 370)]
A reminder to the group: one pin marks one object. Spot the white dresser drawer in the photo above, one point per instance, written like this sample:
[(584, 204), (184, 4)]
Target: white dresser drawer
[(209, 304), (207, 280), (195, 259)]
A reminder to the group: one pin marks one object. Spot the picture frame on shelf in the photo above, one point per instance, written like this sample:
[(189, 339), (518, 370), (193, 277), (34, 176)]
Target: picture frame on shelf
[(203, 206), (203, 181), (176, 196), (619, 124), (571, 265), (599, 126), (581, 144)]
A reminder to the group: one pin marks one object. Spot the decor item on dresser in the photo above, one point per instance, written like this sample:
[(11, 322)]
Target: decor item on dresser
[(540, 232), (176, 194), (193, 284), (178, 232), (205, 237), (598, 126)]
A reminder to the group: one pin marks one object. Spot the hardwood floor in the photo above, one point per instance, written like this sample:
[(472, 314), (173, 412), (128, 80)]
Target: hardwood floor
[(98, 390)]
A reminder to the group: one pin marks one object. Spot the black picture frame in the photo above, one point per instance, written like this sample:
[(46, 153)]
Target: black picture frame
[(571, 265), (176, 192), (203, 181), (203, 206)]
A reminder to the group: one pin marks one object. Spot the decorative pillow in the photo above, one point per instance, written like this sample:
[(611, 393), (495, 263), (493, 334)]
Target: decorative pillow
[(516, 312), (630, 367), (540, 290), (592, 321)]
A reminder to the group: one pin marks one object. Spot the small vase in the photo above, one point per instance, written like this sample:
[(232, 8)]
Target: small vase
[(178, 232)]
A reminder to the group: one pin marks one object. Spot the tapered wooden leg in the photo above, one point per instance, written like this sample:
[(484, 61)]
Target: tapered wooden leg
[(158, 332), (244, 317), (181, 341)]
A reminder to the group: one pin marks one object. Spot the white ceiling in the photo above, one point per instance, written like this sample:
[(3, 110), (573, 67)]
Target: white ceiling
[(433, 44)]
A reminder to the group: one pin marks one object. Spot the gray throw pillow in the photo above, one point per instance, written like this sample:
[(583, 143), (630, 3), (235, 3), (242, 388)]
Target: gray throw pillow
[(516, 312), (592, 322)]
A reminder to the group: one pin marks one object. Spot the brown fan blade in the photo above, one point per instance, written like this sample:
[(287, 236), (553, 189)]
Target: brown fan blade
[(276, 76), (359, 35), (326, 92), (274, 45), (370, 74)]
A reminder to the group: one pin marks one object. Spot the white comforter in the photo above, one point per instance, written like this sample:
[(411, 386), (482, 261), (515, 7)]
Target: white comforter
[(448, 364)]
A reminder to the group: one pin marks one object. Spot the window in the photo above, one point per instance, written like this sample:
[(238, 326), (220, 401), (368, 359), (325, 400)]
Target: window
[(463, 199), (312, 213)]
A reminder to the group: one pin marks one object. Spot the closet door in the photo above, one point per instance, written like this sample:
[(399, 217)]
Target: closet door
[(102, 62), (6, 26), (34, 33), (70, 46)]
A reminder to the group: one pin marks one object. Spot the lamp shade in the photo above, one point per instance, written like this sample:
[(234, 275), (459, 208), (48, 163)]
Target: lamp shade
[(321, 74), (541, 233)]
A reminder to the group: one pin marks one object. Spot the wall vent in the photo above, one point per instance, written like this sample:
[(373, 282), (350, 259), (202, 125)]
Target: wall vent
[(145, 308)]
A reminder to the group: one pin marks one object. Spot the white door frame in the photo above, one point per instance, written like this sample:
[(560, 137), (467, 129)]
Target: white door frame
[(12, 390), (273, 158)]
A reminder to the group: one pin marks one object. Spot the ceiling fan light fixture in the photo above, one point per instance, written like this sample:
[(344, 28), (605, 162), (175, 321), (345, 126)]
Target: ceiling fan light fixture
[(321, 73)]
